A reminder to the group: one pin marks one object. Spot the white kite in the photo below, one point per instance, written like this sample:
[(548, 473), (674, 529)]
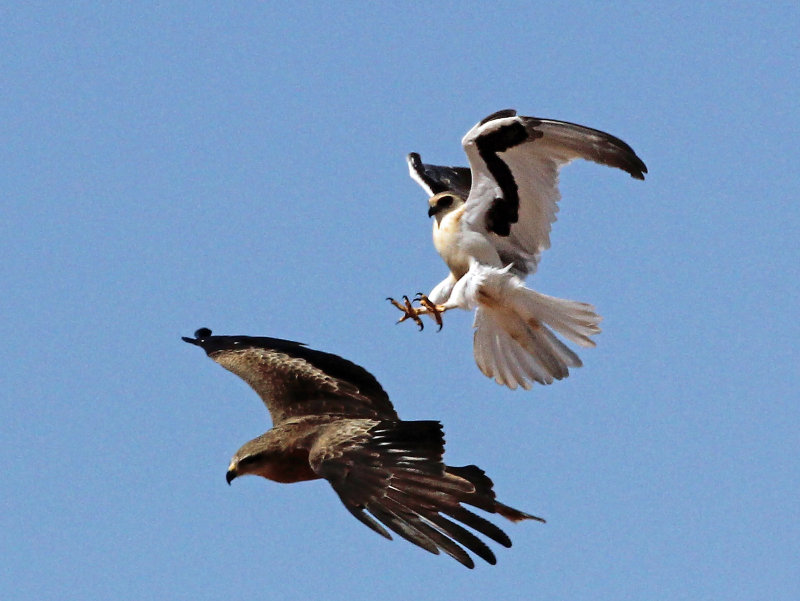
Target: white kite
[(492, 221)]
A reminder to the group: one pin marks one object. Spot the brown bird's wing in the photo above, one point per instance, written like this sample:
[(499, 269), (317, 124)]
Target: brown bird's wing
[(294, 380), (394, 471)]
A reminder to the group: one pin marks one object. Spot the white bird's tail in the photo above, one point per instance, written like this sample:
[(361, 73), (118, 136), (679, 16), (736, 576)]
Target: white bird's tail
[(513, 343)]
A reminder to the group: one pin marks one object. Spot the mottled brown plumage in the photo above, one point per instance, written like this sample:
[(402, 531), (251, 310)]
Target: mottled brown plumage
[(333, 420)]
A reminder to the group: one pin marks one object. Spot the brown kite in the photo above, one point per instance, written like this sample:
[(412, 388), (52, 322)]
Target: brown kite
[(333, 420)]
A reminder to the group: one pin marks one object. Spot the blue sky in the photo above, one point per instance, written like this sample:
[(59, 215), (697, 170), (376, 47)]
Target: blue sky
[(167, 167)]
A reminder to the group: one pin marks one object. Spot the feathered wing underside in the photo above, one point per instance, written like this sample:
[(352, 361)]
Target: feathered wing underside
[(515, 163), (537, 182), (572, 141), (294, 380), (392, 476)]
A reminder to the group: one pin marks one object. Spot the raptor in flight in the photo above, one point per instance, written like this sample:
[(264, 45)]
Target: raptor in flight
[(492, 222), (333, 420)]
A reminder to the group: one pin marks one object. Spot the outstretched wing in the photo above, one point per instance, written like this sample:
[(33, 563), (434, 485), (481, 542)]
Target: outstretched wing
[(294, 380), (437, 178), (393, 470), (515, 162)]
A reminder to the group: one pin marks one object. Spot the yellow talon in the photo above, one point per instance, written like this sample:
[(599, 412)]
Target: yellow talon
[(408, 310), (426, 307), (432, 309)]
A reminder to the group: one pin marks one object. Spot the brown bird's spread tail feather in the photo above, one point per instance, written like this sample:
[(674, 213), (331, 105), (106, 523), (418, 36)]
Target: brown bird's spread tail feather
[(484, 495)]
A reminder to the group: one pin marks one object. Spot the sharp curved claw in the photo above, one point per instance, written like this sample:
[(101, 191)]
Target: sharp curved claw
[(432, 309), (395, 303), (411, 312), (408, 310)]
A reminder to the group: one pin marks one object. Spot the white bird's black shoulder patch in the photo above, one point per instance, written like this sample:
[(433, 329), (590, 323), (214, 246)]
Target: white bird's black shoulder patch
[(505, 209)]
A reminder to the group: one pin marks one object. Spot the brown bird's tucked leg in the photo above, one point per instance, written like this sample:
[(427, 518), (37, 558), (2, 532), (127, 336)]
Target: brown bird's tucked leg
[(427, 307)]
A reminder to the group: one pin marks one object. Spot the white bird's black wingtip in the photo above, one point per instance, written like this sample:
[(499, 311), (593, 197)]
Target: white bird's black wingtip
[(435, 179)]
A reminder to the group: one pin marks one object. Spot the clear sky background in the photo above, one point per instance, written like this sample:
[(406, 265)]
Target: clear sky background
[(242, 167)]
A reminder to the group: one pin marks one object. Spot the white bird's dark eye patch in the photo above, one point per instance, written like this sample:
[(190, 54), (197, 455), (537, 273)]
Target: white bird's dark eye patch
[(445, 202), (441, 203)]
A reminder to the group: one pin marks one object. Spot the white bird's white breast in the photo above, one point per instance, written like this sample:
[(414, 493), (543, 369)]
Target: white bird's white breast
[(447, 235)]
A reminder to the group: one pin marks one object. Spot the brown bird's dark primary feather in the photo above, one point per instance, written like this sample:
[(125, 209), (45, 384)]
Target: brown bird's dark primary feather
[(333, 420)]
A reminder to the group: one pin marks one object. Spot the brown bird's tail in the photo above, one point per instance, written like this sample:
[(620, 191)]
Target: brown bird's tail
[(484, 496)]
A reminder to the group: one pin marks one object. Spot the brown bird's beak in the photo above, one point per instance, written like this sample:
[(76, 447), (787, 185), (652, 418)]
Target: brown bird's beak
[(230, 475)]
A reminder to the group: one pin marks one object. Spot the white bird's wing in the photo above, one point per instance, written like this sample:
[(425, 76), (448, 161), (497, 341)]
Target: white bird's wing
[(438, 178), (514, 162)]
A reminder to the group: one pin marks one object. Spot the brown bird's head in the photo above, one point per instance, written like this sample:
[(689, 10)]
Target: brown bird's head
[(247, 460), (443, 203), (244, 463), (274, 456), (255, 457)]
